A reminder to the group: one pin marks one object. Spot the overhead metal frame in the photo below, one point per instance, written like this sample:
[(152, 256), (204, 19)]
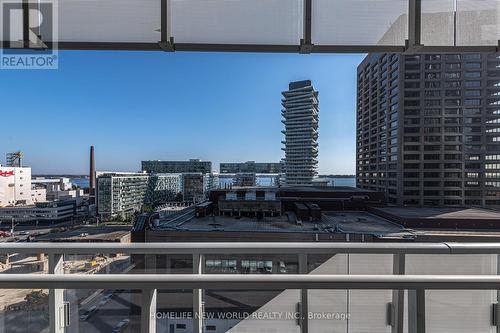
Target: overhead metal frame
[(167, 42)]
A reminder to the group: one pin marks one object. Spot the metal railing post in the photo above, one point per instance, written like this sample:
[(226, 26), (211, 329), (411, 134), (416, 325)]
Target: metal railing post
[(148, 311), (416, 311), (304, 306), (398, 296), (306, 45), (148, 298), (56, 296), (167, 42), (414, 25), (198, 263), (495, 306)]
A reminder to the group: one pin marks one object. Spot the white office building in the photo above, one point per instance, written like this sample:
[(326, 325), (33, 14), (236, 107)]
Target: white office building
[(15, 186)]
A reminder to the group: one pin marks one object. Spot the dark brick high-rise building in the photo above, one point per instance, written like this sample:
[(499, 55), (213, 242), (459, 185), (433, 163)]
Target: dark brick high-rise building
[(428, 128)]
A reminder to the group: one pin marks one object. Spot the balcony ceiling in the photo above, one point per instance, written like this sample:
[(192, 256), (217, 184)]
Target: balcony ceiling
[(301, 26)]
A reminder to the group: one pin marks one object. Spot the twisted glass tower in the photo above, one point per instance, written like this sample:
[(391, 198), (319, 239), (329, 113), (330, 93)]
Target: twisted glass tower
[(301, 117)]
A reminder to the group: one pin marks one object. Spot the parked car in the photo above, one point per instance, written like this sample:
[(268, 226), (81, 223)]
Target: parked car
[(87, 314), (121, 326)]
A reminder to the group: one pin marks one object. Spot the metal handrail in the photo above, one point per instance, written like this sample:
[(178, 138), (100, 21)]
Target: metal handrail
[(258, 282), (253, 248), (149, 283)]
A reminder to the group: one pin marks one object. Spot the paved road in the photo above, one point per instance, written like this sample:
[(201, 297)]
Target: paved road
[(108, 313)]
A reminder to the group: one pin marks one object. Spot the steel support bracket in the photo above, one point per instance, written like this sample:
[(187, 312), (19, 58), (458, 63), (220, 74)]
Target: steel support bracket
[(495, 314), (305, 48), (167, 46), (391, 314), (410, 49)]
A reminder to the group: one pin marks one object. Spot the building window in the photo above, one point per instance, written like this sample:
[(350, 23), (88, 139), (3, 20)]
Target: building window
[(472, 56), (452, 75), (472, 84), (472, 111), (473, 157), (492, 174), (472, 74), (432, 76), (412, 85), (452, 102), (412, 76), (433, 84), (492, 166), (433, 57), (469, 102), (452, 84), (453, 66), (473, 65), (472, 93)]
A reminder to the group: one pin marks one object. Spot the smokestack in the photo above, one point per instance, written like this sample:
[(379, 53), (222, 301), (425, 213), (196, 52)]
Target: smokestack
[(92, 176)]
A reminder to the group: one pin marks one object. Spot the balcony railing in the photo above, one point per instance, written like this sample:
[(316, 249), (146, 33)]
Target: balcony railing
[(406, 311)]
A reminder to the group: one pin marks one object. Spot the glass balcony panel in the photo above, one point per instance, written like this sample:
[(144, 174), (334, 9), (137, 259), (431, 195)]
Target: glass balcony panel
[(438, 27), (277, 22), (24, 310), (174, 308), (278, 315), (478, 22), (103, 310), (368, 308), (459, 311), (109, 21), (360, 22), (240, 310), (330, 301), (467, 264)]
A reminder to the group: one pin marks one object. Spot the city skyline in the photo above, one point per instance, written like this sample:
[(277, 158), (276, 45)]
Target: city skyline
[(162, 120)]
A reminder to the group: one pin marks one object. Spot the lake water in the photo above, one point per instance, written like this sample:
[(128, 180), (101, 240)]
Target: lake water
[(80, 182), (269, 181), (261, 181), (344, 181)]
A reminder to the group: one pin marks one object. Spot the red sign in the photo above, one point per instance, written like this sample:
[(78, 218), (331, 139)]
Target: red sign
[(6, 173)]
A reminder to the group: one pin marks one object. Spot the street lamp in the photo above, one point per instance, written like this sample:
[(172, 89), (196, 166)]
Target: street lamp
[(11, 223)]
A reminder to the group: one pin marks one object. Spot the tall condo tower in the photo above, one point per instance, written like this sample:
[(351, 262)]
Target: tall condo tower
[(301, 118), (428, 128)]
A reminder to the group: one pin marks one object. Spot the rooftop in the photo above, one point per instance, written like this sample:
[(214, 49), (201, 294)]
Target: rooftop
[(88, 234), (443, 213), (332, 222), (443, 218)]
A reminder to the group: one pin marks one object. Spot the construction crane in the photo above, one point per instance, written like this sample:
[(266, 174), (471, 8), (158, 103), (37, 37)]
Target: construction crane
[(15, 159)]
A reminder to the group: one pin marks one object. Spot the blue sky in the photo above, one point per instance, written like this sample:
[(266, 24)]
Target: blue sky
[(153, 105)]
